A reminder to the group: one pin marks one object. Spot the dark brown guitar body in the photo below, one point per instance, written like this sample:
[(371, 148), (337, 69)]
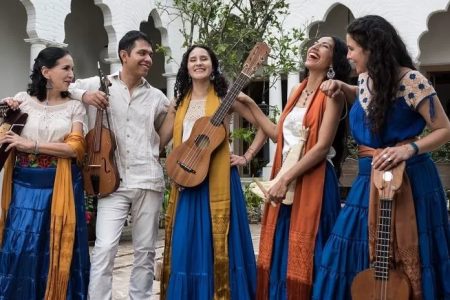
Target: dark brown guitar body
[(100, 174), (365, 286), (188, 164), (14, 120)]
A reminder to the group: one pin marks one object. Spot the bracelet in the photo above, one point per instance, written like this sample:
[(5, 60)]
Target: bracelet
[(415, 147), (246, 161), (36, 148)]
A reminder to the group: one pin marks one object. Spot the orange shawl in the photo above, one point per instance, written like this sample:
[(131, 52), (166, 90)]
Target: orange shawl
[(306, 209)]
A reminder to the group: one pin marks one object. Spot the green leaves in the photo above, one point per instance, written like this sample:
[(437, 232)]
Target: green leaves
[(231, 28)]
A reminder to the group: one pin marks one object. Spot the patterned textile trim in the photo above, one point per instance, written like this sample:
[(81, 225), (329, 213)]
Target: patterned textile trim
[(413, 88), (30, 160)]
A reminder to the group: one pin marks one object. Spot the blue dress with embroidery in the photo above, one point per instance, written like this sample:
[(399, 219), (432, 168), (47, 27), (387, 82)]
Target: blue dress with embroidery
[(347, 252)]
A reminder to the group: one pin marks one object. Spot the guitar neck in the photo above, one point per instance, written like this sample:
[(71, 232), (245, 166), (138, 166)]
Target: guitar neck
[(225, 106), (383, 244)]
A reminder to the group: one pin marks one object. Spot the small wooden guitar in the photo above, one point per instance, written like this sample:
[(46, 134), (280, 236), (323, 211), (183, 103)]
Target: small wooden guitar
[(13, 120), (188, 164), (382, 281), (260, 188)]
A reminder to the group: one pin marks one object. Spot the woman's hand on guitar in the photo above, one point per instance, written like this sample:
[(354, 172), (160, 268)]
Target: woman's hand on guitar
[(11, 102), (238, 160), (277, 192), (20, 143), (95, 98)]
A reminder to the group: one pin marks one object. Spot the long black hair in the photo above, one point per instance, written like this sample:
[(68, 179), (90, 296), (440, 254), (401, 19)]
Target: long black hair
[(342, 69), (183, 81), (48, 57), (387, 53)]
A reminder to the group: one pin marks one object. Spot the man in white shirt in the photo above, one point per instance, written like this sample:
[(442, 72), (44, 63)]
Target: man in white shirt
[(136, 113)]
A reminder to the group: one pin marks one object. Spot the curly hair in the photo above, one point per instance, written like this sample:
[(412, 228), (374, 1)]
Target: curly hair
[(48, 58), (342, 69), (183, 82), (387, 54)]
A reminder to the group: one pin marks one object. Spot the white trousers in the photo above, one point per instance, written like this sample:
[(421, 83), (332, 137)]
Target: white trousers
[(112, 212)]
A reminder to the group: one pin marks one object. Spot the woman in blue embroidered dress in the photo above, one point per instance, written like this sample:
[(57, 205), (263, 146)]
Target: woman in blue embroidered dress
[(44, 251), (394, 103)]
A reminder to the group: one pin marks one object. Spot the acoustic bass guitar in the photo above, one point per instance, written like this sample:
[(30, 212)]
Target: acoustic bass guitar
[(383, 281), (188, 164)]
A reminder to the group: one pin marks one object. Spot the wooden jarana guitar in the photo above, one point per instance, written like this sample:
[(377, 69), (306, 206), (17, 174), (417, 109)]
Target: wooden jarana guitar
[(188, 164), (383, 281), (13, 120)]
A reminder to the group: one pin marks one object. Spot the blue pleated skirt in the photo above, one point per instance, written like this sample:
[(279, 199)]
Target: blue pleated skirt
[(24, 255), (347, 252), (192, 270), (329, 213)]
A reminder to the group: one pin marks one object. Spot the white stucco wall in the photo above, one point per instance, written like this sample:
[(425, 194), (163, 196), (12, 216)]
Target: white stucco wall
[(46, 20)]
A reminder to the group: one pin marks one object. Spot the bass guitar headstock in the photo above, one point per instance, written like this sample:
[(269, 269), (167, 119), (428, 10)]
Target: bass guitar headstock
[(255, 59)]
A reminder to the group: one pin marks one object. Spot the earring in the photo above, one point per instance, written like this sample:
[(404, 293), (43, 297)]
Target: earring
[(331, 73), (189, 79), (49, 84), (212, 77)]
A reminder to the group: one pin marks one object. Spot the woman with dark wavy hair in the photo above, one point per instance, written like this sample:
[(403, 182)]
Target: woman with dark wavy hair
[(293, 234), (44, 249), (394, 103), (208, 248)]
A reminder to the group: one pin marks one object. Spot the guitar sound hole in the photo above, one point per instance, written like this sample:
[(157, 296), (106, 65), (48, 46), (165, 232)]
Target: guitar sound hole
[(202, 141)]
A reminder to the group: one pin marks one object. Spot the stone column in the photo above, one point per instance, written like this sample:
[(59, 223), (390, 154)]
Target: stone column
[(275, 99), (170, 84), (38, 44), (293, 79), (114, 64)]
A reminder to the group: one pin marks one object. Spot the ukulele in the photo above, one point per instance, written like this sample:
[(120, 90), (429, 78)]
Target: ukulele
[(100, 173), (13, 120), (188, 164), (382, 281)]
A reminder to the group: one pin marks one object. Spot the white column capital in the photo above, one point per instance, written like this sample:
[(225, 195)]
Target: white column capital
[(171, 77), (45, 42), (114, 64)]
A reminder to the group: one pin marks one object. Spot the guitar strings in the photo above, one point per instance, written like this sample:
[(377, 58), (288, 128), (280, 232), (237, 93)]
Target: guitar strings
[(383, 245), (193, 155)]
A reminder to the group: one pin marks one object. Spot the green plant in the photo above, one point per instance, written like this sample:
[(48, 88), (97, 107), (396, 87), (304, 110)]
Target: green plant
[(253, 205), (232, 27)]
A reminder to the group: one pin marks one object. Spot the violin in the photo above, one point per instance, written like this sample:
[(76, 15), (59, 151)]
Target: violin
[(100, 173), (383, 281), (13, 120)]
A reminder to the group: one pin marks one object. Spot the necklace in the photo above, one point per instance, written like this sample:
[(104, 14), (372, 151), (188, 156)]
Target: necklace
[(307, 93)]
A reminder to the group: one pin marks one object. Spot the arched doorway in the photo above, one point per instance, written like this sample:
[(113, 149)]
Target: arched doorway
[(434, 55), (87, 40), (15, 58), (155, 76)]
